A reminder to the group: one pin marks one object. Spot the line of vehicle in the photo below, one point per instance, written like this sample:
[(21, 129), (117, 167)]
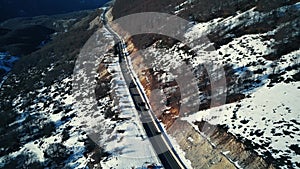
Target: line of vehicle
[(142, 96)]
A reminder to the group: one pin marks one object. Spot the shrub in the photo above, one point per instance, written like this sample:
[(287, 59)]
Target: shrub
[(57, 152)]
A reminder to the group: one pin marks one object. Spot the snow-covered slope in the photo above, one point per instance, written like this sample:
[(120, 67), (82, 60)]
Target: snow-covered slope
[(258, 50), (268, 116)]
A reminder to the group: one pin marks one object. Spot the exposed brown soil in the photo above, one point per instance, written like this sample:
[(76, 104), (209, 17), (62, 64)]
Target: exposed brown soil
[(103, 82)]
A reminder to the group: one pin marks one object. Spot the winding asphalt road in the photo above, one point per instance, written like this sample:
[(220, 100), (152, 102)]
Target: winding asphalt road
[(155, 132)]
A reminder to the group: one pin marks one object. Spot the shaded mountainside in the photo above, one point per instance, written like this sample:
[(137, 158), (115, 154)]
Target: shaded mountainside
[(14, 8), (38, 127), (22, 36), (25, 40)]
